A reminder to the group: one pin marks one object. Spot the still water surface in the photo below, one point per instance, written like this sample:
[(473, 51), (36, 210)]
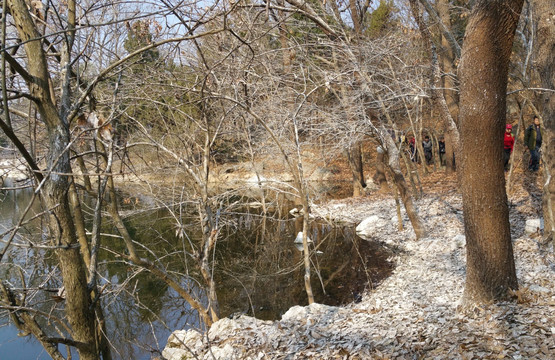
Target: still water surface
[(259, 272)]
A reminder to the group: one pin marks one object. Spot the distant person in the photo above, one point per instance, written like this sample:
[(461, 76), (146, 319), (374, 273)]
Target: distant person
[(413, 151), (427, 146), (508, 144), (441, 146), (533, 139)]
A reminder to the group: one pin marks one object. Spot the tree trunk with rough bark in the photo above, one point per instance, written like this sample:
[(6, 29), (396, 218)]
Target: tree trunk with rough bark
[(55, 191), (483, 75), (544, 14)]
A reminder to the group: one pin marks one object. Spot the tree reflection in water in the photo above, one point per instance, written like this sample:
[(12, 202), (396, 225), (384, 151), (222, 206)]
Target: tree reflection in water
[(258, 271)]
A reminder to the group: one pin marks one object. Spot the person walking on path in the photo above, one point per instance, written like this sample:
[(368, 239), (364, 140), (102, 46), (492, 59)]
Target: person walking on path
[(441, 145), (533, 139), (508, 144)]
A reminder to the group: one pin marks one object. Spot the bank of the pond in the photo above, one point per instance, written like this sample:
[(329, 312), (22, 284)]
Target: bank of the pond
[(414, 313)]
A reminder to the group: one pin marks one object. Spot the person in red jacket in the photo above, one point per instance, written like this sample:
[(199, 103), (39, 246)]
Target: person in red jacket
[(508, 144)]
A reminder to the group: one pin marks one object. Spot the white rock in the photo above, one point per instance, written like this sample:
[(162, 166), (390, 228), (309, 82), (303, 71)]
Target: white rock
[(185, 338), (226, 326), (532, 225), (294, 313), (226, 352), (298, 314), (170, 353), (222, 327), (299, 238), (369, 226)]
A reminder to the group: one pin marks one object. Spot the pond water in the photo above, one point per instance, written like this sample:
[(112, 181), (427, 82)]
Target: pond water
[(259, 272)]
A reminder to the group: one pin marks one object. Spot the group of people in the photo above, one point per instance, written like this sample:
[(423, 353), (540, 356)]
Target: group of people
[(427, 146), (532, 140)]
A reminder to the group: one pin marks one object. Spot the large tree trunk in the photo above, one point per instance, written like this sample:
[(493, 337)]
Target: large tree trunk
[(545, 49), (55, 191), (483, 75)]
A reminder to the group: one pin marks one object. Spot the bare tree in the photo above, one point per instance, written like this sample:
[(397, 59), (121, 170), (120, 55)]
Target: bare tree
[(444, 55), (357, 83), (56, 183), (445, 102)]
